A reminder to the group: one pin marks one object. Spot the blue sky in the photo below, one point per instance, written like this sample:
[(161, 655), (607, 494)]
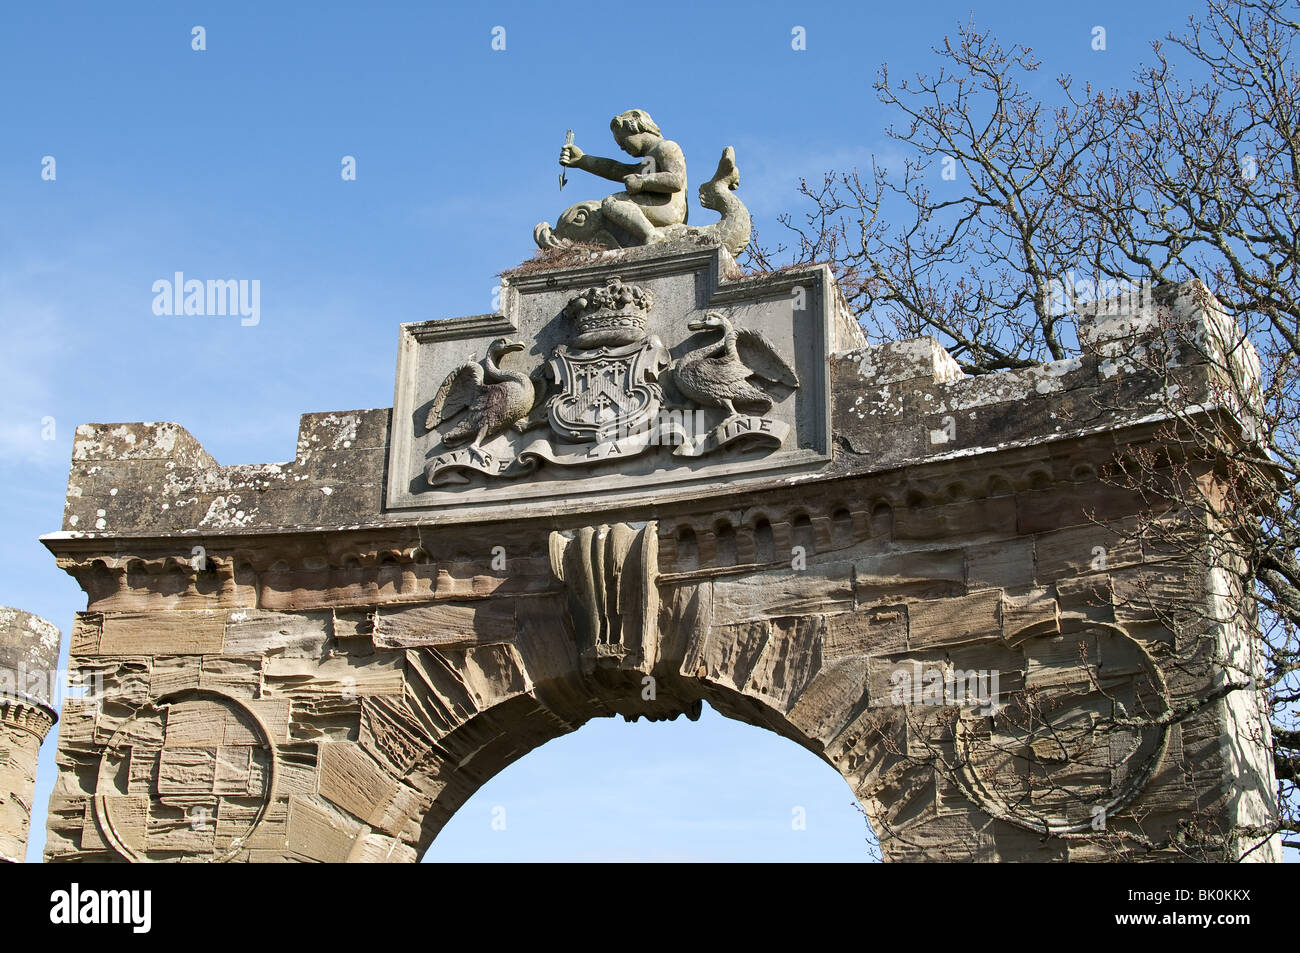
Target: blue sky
[(226, 163)]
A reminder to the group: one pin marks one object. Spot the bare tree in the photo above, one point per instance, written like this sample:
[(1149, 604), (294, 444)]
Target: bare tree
[(1193, 172)]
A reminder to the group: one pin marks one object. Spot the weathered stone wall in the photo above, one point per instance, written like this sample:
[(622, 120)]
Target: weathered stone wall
[(29, 659), (292, 672)]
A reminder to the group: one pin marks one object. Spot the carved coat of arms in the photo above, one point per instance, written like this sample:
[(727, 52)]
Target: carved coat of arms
[(606, 392), (601, 394)]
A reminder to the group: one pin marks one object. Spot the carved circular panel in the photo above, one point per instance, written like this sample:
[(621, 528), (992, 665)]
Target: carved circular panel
[(1078, 740), (187, 777)]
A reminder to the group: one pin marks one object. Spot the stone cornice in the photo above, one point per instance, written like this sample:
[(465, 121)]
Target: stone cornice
[(28, 714), (1092, 443), (391, 564)]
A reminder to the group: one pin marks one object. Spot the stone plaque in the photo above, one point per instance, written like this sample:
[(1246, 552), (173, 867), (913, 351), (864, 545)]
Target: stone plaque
[(637, 375)]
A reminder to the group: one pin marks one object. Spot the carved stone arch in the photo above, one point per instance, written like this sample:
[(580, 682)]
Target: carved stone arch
[(137, 567), (418, 761), (844, 525), (389, 691), (955, 491), (727, 543), (802, 531), (999, 484), (1083, 471), (881, 518), (498, 703), (764, 537), (1037, 478), (687, 548)]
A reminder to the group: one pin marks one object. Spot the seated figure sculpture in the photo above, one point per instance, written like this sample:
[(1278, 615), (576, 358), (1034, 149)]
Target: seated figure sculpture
[(652, 206)]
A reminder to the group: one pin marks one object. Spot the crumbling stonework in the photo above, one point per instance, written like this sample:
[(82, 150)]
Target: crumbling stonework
[(29, 659), (294, 670)]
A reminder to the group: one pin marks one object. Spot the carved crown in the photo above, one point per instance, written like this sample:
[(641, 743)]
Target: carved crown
[(609, 315)]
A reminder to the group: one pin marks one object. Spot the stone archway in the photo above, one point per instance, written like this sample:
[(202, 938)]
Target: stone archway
[(820, 679), (923, 578)]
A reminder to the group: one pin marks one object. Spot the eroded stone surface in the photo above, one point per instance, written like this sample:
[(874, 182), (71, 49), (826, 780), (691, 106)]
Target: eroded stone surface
[(368, 668)]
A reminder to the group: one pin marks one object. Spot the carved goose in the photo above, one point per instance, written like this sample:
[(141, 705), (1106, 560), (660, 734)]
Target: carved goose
[(493, 398), (717, 375)]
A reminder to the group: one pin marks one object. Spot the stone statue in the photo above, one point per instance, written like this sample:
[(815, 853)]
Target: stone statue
[(718, 374), (652, 207), (494, 398)]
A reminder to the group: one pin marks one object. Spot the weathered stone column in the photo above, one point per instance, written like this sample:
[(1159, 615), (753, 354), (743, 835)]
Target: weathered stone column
[(29, 660)]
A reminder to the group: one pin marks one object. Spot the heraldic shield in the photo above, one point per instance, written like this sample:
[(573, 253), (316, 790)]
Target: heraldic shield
[(607, 392)]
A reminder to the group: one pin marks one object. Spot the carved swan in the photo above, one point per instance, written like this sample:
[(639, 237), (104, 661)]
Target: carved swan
[(494, 398), (717, 375)]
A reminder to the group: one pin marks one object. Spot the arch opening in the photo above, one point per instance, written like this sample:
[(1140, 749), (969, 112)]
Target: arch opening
[(712, 789)]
